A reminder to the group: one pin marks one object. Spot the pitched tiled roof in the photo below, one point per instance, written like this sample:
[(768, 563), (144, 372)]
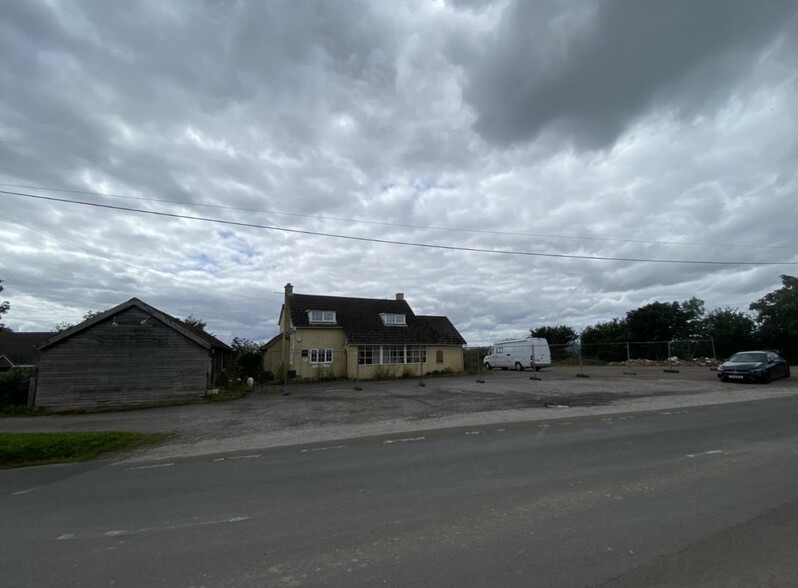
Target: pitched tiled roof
[(20, 348), (360, 319), (442, 329)]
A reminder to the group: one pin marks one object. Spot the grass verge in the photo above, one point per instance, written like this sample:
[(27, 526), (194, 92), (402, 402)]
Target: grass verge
[(27, 449)]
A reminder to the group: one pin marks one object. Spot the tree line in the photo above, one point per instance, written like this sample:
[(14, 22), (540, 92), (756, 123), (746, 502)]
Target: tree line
[(770, 323)]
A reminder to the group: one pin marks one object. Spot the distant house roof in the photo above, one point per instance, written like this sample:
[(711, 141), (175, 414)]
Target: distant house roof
[(18, 349), (361, 320), (197, 335)]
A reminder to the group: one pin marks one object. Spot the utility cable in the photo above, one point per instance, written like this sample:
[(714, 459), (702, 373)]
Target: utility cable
[(396, 242), (398, 225)]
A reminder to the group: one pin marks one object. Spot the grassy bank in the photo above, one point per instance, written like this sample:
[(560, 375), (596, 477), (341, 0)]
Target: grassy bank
[(26, 449)]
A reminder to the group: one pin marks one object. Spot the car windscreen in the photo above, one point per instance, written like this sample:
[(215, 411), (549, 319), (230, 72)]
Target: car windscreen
[(748, 357)]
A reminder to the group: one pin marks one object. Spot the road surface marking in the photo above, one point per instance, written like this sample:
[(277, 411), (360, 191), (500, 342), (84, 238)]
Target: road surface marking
[(151, 467), (475, 432), (18, 492), (323, 448), (403, 440), (127, 532), (712, 452), (253, 456)]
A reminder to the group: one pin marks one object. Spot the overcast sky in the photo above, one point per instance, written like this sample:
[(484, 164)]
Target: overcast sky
[(561, 131)]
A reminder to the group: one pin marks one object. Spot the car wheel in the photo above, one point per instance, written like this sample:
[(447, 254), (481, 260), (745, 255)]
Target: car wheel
[(518, 366), (487, 366), (537, 369), (787, 372)]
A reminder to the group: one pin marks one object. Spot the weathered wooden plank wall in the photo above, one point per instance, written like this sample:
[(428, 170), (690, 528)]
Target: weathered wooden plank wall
[(132, 358)]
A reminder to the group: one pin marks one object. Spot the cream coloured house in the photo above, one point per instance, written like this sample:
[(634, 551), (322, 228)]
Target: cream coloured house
[(334, 336)]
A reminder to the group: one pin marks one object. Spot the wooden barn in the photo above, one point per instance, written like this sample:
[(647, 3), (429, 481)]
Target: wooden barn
[(131, 354)]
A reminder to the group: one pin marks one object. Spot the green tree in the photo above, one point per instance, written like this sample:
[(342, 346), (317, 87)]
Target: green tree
[(777, 318), (658, 321), (730, 329), (560, 338), (557, 335), (247, 358), (4, 307), (64, 325), (605, 341), (693, 311), (195, 322)]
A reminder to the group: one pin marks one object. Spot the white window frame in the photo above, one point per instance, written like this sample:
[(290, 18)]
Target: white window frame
[(368, 354), (321, 355), (392, 319), (415, 354), (321, 317), (383, 354)]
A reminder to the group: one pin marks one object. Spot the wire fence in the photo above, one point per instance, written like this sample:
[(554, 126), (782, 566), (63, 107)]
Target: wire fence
[(667, 354)]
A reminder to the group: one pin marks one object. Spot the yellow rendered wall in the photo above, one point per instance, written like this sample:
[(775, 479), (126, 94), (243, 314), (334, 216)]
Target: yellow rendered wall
[(345, 358), (452, 361), (307, 339)]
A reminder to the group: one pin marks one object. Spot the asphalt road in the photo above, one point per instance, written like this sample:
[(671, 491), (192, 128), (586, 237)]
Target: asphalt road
[(685, 497)]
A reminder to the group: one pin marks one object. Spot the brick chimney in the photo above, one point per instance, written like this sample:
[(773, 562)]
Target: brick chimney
[(289, 289), (400, 296)]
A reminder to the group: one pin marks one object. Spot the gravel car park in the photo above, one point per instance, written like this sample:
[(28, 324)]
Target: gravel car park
[(327, 411)]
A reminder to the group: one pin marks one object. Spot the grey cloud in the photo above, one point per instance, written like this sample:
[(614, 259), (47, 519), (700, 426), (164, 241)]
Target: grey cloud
[(586, 71), (355, 110)]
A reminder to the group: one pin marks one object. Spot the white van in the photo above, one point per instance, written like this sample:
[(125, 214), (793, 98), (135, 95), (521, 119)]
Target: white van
[(519, 354)]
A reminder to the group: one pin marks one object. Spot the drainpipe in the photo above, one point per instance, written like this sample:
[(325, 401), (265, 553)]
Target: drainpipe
[(289, 290)]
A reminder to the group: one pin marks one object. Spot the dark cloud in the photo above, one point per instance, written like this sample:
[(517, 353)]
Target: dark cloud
[(587, 71), (367, 110)]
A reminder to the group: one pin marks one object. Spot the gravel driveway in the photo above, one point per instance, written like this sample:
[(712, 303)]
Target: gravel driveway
[(326, 412)]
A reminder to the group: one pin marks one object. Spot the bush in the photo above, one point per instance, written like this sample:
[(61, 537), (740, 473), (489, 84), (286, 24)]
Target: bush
[(384, 372), (14, 386)]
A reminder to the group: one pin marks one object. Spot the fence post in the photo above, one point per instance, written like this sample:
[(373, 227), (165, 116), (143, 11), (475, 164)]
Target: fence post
[(421, 367), (32, 391), (357, 370), (285, 377), (670, 369), (629, 371), (534, 365), (479, 366), (714, 356), (581, 373)]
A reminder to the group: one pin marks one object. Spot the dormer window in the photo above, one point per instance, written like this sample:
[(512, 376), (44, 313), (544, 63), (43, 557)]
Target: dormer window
[(393, 320), (321, 317)]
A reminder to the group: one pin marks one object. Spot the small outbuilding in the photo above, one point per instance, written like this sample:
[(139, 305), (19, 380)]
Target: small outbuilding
[(18, 350), (131, 354)]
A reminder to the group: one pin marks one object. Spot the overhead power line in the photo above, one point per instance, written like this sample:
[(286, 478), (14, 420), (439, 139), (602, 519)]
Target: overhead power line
[(391, 241), (398, 225), (159, 273)]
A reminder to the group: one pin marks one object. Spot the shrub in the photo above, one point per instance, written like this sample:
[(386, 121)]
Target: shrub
[(384, 372), (14, 386)]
